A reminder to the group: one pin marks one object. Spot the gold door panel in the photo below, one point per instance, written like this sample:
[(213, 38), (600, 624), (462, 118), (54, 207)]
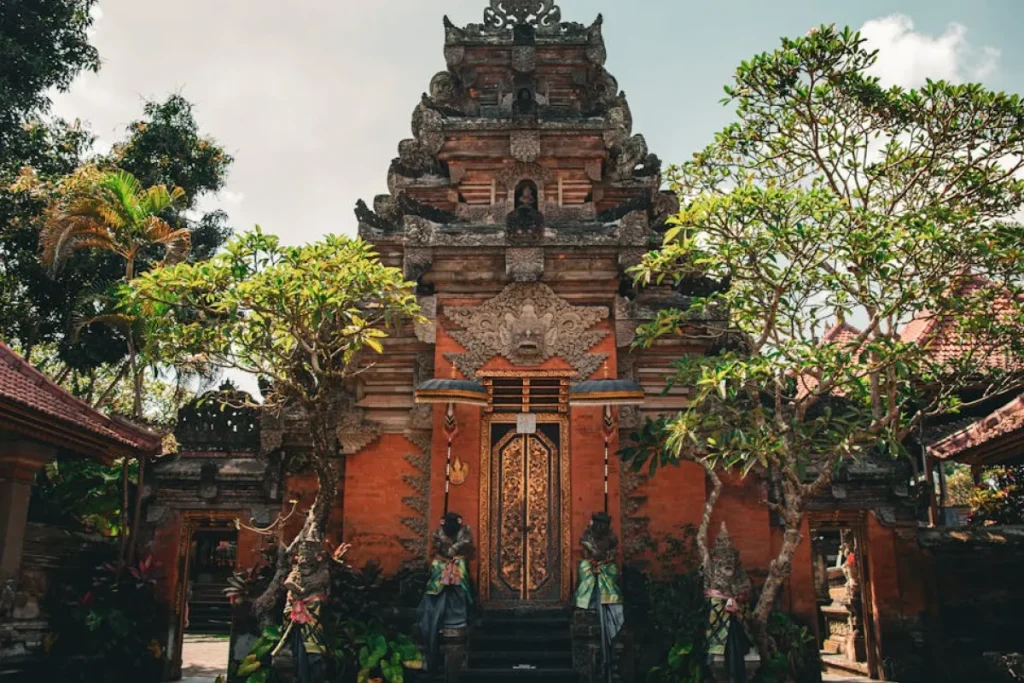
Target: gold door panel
[(525, 506)]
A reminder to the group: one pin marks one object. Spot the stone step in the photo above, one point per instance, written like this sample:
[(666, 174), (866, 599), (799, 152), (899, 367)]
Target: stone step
[(500, 675), (508, 659), (520, 643)]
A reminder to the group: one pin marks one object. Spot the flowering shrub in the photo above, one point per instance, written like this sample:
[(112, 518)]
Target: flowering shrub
[(108, 627)]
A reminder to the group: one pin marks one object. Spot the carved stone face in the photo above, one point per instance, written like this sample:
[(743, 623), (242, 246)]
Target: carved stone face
[(528, 336)]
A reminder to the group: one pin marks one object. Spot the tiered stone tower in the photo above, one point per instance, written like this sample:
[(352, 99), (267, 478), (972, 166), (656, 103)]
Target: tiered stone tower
[(517, 206)]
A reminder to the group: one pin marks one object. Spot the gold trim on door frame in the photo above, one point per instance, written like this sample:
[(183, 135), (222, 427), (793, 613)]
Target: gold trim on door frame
[(565, 499)]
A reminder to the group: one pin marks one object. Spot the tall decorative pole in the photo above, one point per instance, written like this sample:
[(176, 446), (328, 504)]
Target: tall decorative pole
[(607, 392), (451, 392)]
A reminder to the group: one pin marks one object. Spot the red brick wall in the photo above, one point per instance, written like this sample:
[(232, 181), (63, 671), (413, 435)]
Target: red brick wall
[(374, 507)]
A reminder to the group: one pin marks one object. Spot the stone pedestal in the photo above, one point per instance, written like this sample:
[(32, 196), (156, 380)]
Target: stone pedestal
[(586, 645), (455, 651)]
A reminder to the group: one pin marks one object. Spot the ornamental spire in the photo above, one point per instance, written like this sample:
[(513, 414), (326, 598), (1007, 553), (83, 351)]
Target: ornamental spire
[(503, 14)]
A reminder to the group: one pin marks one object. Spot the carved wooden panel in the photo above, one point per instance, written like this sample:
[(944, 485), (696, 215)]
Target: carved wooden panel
[(526, 522)]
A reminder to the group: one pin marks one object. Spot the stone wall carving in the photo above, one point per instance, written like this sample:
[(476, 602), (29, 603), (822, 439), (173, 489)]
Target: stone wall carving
[(426, 331), (524, 264), (417, 546), (525, 145), (503, 14), (527, 324)]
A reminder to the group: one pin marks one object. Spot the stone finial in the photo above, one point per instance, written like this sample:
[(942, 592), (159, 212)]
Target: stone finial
[(503, 14), (727, 575)]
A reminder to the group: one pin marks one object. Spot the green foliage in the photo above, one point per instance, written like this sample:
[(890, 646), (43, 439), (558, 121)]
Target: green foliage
[(80, 494), (256, 666), (299, 316), (999, 498), (796, 657), (44, 44), (670, 612), (380, 654), (833, 198), (107, 627), (46, 312)]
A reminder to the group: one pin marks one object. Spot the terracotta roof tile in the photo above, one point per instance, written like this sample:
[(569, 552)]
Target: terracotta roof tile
[(1005, 420), (22, 384)]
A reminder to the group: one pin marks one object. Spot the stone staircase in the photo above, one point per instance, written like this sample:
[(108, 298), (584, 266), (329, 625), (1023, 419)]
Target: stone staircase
[(514, 646), (209, 610)]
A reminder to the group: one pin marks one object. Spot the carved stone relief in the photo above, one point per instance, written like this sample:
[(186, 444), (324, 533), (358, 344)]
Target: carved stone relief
[(510, 176), (354, 432), (503, 14), (426, 331), (416, 262), (625, 322), (524, 58), (418, 503), (525, 145), (527, 324), (634, 229), (524, 264)]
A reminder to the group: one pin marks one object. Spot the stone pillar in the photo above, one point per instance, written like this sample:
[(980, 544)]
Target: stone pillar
[(455, 650), (19, 462)]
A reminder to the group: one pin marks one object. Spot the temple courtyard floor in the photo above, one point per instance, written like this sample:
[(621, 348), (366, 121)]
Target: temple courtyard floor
[(205, 657)]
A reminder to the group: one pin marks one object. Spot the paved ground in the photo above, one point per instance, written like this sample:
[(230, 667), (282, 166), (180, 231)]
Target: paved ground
[(203, 659)]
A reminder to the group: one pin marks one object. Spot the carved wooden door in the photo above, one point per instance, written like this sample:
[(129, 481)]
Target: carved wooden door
[(525, 507)]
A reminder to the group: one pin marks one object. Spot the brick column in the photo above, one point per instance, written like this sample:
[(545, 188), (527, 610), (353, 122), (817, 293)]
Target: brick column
[(19, 461)]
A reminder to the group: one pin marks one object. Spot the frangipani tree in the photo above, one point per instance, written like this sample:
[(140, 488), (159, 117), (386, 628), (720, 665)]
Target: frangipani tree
[(831, 199), (301, 317)]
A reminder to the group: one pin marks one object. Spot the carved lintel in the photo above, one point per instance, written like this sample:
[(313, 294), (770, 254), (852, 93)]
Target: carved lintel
[(528, 324), (509, 176), (525, 145), (524, 264)]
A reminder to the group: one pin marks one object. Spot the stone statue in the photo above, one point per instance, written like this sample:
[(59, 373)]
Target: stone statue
[(448, 596), (308, 585), (727, 587), (598, 585)]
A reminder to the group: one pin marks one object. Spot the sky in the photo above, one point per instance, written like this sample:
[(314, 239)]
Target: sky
[(312, 96)]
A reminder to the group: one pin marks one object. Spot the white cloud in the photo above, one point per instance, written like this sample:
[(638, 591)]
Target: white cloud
[(907, 58)]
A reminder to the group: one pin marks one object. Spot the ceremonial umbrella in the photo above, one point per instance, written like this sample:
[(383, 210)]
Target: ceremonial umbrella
[(607, 392), (450, 392)]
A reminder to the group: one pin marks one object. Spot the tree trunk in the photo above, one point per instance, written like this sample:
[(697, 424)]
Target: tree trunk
[(123, 540), (705, 521), (315, 526), (109, 392), (133, 545)]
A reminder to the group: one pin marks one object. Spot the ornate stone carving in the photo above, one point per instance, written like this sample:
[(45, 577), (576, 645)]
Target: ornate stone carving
[(594, 170), (596, 52), (426, 332), (503, 14), (421, 438), (634, 229), (416, 262), (625, 322), (354, 432), (524, 264), (524, 58), (525, 145), (527, 324), (418, 231), (419, 503), (510, 176)]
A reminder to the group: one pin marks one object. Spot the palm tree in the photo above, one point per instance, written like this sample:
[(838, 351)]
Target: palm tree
[(118, 215)]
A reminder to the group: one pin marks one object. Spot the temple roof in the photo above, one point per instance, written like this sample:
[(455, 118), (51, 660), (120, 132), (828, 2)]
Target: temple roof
[(35, 406), (992, 439)]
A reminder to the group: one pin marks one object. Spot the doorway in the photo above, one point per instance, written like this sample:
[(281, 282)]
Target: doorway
[(207, 557), (838, 557), (524, 539)]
